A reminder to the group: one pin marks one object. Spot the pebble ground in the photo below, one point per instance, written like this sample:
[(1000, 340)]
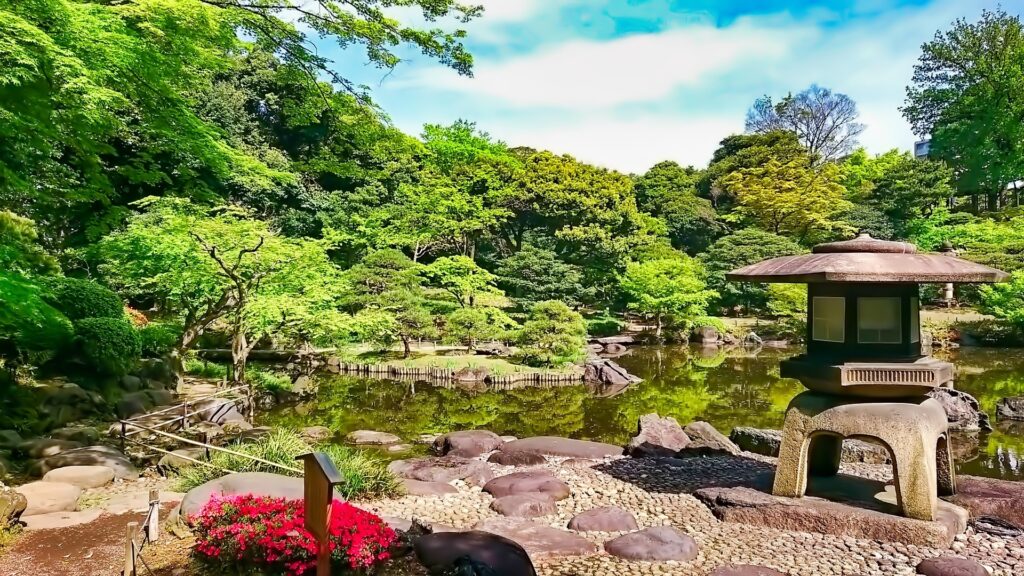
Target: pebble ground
[(657, 491)]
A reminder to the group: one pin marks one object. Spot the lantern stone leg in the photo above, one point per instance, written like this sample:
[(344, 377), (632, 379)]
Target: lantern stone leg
[(817, 423)]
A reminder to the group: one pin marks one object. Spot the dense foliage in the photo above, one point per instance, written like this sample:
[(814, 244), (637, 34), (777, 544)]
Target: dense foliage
[(189, 156)]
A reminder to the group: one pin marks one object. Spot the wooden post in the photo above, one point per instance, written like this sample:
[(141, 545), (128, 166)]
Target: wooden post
[(124, 430), (129, 548), (319, 479), (153, 523)]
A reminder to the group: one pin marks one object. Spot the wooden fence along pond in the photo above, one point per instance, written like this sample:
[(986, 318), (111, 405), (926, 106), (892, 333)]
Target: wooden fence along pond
[(449, 375)]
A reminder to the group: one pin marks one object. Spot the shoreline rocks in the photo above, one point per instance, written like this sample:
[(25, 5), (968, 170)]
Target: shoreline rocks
[(657, 436), (655, 544), (962, 410), (466, 443)]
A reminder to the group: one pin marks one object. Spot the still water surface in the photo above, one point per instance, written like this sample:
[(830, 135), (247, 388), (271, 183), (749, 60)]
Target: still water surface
[(727, 388)]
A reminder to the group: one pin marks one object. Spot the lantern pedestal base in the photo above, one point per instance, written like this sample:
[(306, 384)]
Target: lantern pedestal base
[(914, 430)]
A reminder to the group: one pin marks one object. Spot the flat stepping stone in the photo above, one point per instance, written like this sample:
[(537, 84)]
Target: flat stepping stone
[(60, 519), (440, 552), (467, 443), (539, 540), (516, 458), (421, 488), (604, 519), (81, 476), (371, 437), (564, 447), (656, 544), (528, 482), (524, 505), (745, 570), (47, 497), (950, 566), (443, 469)]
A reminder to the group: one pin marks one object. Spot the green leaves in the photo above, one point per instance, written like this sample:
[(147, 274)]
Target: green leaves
[(668, 287)]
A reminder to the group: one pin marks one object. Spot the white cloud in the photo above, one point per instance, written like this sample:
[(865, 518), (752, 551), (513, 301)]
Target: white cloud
[(586, 74)]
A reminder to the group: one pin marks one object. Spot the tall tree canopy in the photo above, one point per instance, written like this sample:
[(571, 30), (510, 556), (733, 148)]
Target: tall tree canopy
[(826, 122), (965, 94)]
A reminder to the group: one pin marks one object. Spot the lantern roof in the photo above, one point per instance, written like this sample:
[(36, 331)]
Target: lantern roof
[(866, 259)]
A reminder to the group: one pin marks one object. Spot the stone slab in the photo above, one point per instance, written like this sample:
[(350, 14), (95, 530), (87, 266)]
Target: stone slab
[(811, 514), (64, 519), (566, 447), (81, 476), (988, 497), (654, 544), (443, 552), (539, 540), (421, 488), (528, 482)]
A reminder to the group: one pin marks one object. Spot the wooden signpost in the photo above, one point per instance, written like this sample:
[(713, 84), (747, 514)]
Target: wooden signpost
[(320, 477)]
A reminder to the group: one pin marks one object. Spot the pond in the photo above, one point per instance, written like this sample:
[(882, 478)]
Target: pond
[(726, 387)]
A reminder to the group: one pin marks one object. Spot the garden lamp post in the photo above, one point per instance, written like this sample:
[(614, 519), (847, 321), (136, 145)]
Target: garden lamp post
[(864, 368)]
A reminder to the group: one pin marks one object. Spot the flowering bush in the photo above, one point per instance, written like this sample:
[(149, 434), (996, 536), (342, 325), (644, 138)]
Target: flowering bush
[(259, 534)]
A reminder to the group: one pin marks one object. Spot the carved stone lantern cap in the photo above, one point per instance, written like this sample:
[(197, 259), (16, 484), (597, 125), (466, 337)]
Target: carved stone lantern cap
[(866, 259)]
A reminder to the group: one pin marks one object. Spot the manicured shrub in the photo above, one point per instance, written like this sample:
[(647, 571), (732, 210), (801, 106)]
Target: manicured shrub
[(108, 345), (364, 477), (553, 335), (259, 534), (78, 298), (470, 326), (30, 329), (157, 339), (604, 325)]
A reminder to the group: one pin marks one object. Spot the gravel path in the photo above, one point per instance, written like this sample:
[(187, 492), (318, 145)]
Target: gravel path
[(657, 492)]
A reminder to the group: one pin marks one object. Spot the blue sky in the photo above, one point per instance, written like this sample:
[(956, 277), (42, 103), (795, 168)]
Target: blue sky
[(628, 83)]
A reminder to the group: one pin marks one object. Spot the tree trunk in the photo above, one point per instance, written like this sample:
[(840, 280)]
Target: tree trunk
[(406, 350), (239, 356), (657, 319)]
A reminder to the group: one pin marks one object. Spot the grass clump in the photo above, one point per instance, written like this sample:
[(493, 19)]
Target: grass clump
[(363, 476), (203, 369), (269, 381)]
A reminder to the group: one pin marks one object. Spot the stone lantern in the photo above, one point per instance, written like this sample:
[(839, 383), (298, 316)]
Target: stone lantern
[(864, 368)]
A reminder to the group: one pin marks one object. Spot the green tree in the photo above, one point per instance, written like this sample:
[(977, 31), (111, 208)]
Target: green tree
[(859, 171), (965, 84), (737, 250), (470, 326), (31, 331), (552, 335), (911, 188), (667, 288), (669, 192), (204, 265), (536, 274), (793, 199), (20, 251), (460, 277), (1005, 301), (380, 272), (741, 151)]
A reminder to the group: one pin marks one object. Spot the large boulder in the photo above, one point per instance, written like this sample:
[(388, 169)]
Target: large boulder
[(962, 410), (528, 505), (12, 505), (216, 410), (767, 442), (448, 552), (180, 459), (615, 340), (528, 482), (43, 447), (371, 437), (705, 440), (657, 436), (606, 372), (951, 566), (565, 447), (82, 434), (316, 434), (604, 519), (257, 483), (539, 540), (657, 544), (89, 456), (1010, 408), (81, 476), (443, 469), (46, 497), (467, 443)]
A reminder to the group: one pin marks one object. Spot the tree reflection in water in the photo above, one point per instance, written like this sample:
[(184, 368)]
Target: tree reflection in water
[(727, 387)]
